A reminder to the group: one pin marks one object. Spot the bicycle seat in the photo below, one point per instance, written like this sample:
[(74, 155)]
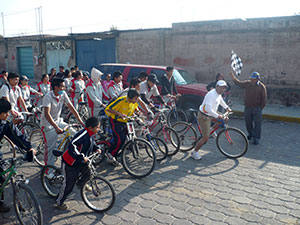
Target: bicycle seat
[(193, 110), (82, 103), (57, 153)]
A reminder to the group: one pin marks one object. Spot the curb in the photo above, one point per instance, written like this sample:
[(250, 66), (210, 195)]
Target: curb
[(273, 117)]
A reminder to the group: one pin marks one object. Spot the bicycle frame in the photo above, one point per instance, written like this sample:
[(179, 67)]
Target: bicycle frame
[(220, 124), (12, 171), (159, 117), (67, 135)]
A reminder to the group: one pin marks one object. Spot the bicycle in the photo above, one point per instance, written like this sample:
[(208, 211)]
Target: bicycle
[(83, 113), (231, 141), (38, 142), (159, 146), (137, 154), (175, 114), (24, 125), (25, 202), (100, 198), (168, 134)]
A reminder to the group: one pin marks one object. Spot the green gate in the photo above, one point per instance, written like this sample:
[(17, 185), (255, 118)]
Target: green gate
[(25, 59)]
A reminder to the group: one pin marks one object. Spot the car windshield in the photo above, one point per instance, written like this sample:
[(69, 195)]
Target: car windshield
[(183, 77)]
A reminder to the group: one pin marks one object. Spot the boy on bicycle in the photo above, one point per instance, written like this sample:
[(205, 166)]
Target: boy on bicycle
[(75, 159), (8, 128), (51, 121), (118, 110)]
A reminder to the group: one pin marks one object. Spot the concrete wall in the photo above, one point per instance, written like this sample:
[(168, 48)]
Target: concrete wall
[(152, 47), (12, 44), (270, 46)]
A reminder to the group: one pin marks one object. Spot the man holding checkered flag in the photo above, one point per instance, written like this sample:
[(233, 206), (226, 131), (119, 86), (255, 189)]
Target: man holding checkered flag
[(254, 101)]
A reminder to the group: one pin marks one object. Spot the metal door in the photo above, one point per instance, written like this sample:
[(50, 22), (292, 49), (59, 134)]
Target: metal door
[(91, 53), (58, 54), (25, 61)]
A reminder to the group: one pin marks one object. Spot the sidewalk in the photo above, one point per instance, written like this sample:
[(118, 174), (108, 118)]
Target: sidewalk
[(273, 112)]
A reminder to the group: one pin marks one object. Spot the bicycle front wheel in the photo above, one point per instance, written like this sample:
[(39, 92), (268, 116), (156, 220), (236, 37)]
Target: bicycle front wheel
[(175, 116), (170, 137), (98, 194), (38, 143), (232, 142), (138, 158), (27, 206), (160, 148), (187, 135), (52, 179)]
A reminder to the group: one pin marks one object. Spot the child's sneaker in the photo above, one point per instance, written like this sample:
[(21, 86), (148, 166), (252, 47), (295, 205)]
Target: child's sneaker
[(196, 155)]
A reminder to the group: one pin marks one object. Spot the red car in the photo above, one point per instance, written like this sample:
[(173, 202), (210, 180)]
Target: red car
[(192, 93)]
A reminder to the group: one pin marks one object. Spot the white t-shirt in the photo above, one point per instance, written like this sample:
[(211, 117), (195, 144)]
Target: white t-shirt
[(211, 102), (145, 90), (55, 103), (12, 94)]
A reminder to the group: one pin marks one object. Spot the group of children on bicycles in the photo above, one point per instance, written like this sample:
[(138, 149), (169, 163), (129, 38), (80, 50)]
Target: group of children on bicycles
[(121, 104)]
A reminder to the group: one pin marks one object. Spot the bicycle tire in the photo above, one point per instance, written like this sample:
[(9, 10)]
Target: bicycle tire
[(170, 137), (6, 148), (27, 128), (136, 154), (102, 196), (37, 142), (160, 148), (175, 116), (23, 195), (232, 142), (187, 135), (52, 186)]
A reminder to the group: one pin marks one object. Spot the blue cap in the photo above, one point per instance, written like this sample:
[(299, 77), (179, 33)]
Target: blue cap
[(255, 75)]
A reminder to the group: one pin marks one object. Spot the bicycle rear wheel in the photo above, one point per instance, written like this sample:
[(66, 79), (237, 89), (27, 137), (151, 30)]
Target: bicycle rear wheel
[(176, 115), (160, 148), (170, 137), (232, 142), (52, 179), (138, 158), (187, 135), (38, 143), (102, 195), (26, 204)]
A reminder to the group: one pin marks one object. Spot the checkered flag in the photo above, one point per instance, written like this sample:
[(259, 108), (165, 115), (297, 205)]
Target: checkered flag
[(236, 63)]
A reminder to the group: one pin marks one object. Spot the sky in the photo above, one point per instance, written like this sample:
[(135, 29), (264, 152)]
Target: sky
[(60, 17)]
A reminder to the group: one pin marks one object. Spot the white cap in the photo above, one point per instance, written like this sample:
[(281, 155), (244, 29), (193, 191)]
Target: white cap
[(221, 83)]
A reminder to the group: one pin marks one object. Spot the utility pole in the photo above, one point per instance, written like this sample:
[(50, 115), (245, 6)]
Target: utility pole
[(3, 23)]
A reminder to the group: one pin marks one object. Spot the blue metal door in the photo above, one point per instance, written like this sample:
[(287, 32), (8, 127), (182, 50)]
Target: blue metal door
[(25, 61), (90, 53)]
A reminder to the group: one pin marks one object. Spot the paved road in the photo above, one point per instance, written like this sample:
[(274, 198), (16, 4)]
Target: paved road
[(263, 187)]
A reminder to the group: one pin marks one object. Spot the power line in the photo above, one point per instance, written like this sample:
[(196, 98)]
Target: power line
[(18, 12)]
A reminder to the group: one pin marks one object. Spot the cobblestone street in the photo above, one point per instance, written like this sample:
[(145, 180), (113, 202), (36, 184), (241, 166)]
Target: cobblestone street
[(263, 187)]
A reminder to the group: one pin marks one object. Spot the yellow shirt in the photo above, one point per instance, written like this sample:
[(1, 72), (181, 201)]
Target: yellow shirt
[(121, 105)]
